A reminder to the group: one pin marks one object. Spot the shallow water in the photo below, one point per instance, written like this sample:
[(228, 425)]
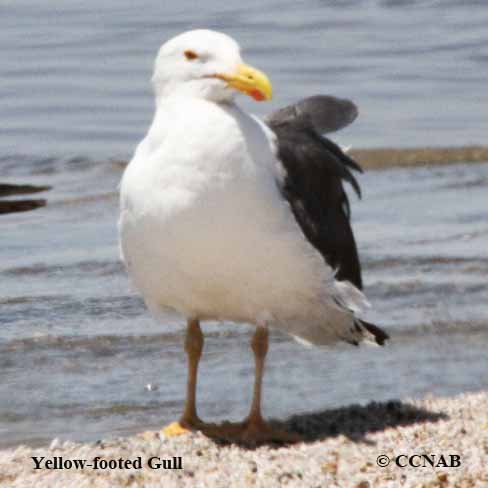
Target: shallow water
[(75, 75), (77, 347)]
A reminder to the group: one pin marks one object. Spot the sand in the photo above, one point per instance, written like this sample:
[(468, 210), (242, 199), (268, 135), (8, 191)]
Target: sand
[(341, 448), (386, 157)]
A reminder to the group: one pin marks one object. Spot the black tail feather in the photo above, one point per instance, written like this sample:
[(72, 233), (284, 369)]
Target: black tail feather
[(380, 336)]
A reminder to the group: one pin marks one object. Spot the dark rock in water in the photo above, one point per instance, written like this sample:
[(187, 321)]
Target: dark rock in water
[(9, 189), (10, 206)]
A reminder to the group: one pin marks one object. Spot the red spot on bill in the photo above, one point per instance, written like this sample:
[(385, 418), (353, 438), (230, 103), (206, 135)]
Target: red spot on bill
[(257, 95)]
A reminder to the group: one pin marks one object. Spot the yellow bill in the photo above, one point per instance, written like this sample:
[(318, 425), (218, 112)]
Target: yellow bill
[(250, 81)]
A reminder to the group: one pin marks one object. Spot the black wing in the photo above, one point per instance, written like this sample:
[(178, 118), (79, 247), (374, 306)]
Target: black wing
[(315, 169)]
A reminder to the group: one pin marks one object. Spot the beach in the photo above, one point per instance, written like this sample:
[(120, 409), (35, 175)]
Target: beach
[(81, 358), (380, 444)]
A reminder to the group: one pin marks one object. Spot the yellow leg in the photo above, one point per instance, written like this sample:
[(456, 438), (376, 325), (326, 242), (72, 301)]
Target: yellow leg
[(259, 346), (255, 428), (251, 430), (193, 347)]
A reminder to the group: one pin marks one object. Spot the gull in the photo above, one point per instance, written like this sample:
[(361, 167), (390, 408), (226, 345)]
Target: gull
[(226, 217)]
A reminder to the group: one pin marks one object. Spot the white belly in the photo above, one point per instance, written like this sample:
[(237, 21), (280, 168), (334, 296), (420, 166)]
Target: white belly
[(220, 257), (208, 235)]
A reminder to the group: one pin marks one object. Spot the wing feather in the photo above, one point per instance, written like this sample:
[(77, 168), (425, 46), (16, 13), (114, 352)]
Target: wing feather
[(315, 169)]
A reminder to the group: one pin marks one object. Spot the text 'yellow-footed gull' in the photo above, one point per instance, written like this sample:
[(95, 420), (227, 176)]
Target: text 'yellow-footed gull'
[(226, 217)]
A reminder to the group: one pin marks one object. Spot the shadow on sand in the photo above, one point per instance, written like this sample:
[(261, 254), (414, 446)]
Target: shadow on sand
[(355, 421)]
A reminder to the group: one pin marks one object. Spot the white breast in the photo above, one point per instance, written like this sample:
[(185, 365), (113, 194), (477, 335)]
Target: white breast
[(203, 228)]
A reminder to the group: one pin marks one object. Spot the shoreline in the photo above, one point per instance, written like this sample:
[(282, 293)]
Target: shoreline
[(384, 158), (369, 159), (341, 447), (387, 157)]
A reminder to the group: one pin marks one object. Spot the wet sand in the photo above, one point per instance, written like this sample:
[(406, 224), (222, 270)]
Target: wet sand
[(341, 447), (383, 158)]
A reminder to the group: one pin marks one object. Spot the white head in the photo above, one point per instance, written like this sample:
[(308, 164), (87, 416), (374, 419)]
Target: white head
[(206, 64)]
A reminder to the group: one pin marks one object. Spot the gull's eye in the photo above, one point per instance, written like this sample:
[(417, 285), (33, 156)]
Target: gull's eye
[(190, 55)]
